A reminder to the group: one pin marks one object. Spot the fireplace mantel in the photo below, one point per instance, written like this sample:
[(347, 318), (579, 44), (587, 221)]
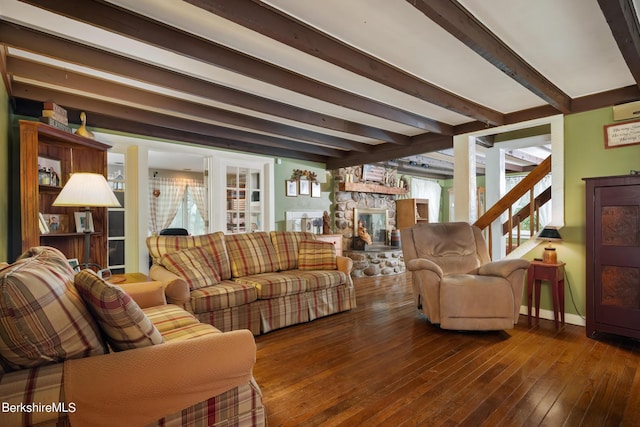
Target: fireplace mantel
[(362, 187)]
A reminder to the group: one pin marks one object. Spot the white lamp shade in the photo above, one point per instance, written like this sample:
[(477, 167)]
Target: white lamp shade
[(87, 190)]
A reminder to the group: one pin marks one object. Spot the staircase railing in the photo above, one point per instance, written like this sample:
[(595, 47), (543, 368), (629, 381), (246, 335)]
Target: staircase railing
[(505, 204)]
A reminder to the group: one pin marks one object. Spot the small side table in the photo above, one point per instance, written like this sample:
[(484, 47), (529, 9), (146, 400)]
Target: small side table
[(126, 278), (554, 273)]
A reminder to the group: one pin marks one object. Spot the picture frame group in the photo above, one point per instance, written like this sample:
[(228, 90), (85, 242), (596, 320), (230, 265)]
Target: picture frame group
[(302, 187)]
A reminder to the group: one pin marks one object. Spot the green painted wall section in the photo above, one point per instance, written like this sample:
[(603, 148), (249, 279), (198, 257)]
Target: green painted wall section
[(283, 172), (585, 156), (5, 138)]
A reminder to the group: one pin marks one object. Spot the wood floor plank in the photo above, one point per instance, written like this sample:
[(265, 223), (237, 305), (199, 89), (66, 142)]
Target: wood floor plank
[(383, 364)]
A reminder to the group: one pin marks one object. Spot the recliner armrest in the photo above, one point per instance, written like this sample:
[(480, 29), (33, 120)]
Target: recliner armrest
[(503, 268), (424, 264)]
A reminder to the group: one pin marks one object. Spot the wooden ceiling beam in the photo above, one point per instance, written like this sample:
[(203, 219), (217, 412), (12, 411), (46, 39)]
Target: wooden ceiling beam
[(622, 19), (126, 23), (124, 112), (76, 82), (38, 42), (460, 23), (272, 23), (426, 144), (110, 123)]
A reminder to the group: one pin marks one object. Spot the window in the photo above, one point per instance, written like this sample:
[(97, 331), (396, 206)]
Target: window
[(177, 203), (188, 215)]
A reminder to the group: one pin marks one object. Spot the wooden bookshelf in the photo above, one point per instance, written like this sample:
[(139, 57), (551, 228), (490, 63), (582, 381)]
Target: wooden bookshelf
[(74, 154), (411, 211)]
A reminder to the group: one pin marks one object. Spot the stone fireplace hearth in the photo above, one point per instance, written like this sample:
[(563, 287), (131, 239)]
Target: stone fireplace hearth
[(381, 259)]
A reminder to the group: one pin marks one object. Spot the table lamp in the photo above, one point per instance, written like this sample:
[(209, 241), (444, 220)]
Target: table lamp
[(550, 234), (87, 190)]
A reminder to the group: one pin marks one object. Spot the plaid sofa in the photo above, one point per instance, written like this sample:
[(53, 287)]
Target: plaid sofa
[(75, 350), (259, 281)]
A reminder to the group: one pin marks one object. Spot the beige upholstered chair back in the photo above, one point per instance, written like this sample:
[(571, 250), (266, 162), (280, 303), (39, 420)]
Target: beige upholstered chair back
[(457, 247)]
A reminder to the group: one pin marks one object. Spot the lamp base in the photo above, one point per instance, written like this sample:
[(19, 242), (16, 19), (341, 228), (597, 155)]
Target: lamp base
[(550, 256)]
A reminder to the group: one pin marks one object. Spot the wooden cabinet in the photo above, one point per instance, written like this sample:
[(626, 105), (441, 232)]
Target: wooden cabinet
[(336, 239), (69, 153), (613, 255), (411, 211)]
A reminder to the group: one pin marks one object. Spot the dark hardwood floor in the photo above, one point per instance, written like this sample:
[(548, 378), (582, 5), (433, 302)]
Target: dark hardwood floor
[(383, 364)]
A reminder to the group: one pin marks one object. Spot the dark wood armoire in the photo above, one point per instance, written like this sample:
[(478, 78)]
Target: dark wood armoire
[(613, 255)]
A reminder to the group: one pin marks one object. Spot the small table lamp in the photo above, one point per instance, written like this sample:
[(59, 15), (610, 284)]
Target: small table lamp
[(549, 254), (86, 190)]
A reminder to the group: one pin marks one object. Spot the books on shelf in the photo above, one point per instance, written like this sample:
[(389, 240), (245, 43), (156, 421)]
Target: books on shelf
[(56, 116), (56, 124), (52, 106)]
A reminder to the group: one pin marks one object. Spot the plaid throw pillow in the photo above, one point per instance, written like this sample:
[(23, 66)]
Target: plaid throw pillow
[(194, 265), (251, 253), (316, 255), (121, 319), (42, 318), (287, 244)]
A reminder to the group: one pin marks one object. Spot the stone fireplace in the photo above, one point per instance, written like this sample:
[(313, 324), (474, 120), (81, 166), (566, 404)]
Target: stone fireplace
[(376, 205)]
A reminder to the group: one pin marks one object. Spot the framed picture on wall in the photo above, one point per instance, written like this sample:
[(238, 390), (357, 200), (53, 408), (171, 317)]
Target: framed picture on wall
[(304, 189), (316, 191), (291, 188)]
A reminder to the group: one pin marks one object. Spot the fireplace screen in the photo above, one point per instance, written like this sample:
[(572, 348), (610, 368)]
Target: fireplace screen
[(376, 222)]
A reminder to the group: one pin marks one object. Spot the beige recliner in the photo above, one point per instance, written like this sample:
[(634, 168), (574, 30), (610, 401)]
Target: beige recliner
[(455, 284)]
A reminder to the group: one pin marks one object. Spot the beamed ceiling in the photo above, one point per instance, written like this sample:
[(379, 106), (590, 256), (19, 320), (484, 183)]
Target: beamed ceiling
[(339, 82)]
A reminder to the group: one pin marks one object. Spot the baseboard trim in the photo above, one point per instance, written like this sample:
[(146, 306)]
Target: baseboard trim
[(570, 318)]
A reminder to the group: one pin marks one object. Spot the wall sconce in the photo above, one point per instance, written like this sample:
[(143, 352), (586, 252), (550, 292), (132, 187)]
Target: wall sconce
[(549, 254)]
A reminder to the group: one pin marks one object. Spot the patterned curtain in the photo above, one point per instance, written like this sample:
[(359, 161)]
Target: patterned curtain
[(197, 191), (165, 196)]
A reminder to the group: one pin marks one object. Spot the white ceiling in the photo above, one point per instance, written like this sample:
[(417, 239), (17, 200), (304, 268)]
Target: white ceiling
[(568, 42)]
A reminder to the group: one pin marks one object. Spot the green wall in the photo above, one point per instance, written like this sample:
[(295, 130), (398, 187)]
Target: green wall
[(5, 137), (585, 156), (282, 172)]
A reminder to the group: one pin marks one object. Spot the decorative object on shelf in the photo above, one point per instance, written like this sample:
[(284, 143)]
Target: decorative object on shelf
[(84, 222), (550, 234), (374, 173), (57, 223), (395, 238), (326, 223), (291, 188), (86, 190), (49, 171), (74, 263), (303, 187), (82, 130), (316, 190)]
